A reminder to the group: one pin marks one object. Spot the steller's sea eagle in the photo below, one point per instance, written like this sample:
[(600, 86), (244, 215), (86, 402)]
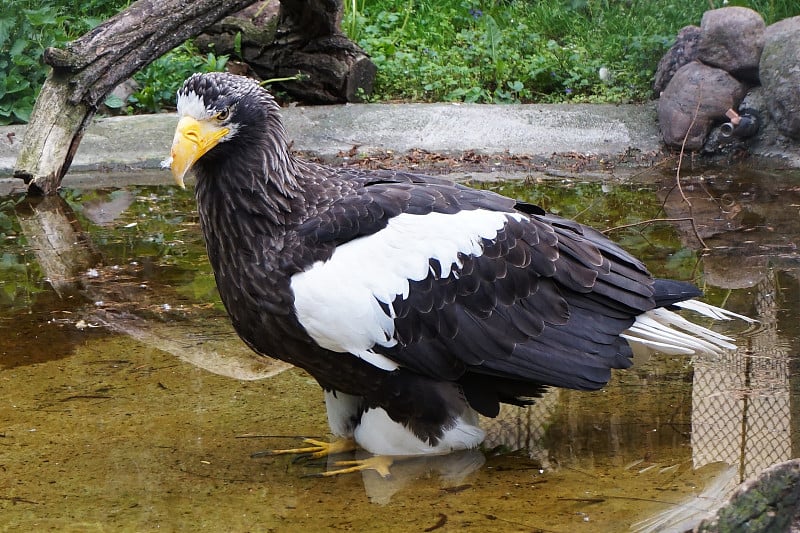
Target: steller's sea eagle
[(415, 302)]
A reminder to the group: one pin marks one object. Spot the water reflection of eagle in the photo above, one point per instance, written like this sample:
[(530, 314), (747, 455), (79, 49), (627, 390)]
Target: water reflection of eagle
[(413, 301)]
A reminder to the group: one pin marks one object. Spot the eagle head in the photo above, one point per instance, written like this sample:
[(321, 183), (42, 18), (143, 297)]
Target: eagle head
[(217, 113)]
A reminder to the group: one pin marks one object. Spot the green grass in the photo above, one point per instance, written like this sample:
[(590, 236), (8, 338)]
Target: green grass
[(524, 50), (426, 50)]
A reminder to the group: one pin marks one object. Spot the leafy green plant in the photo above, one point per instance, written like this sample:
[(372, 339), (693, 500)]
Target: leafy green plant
[(518, 51), (160, 79), (24, 34), (26, 29), (448, 50)]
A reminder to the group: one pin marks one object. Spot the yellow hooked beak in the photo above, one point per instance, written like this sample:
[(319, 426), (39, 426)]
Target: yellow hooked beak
[(193, 138)]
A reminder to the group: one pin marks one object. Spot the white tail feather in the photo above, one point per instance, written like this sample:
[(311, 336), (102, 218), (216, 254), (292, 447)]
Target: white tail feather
[(662, 347), (717, 313), (658, 328), (668, 332)]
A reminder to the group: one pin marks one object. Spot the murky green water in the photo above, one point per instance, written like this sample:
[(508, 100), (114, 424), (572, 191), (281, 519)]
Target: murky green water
[(118, 409)]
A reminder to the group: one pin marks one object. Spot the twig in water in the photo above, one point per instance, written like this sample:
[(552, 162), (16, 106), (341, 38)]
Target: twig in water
[(645, 222), (680, 163)]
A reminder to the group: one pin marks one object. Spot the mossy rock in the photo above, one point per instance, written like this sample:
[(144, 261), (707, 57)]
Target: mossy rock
[(767, 503)]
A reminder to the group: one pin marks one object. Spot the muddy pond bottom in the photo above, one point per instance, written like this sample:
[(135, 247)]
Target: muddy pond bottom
[(128, 404)]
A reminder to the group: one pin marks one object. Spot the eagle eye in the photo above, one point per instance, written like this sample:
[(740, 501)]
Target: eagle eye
[(223, 114)]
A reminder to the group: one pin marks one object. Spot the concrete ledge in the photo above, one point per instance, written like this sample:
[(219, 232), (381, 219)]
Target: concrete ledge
[(141, 142), (136, 143)]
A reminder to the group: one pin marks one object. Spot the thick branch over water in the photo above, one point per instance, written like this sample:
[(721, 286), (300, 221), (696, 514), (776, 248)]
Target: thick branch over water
[(89, 68)]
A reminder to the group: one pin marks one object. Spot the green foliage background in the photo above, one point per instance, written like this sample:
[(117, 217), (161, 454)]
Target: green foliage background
[(426, 50), (525, 50), (28, 27)]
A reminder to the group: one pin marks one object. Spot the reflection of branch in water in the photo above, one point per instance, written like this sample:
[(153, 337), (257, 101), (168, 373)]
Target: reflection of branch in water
[(221, 353), (57, 240), (65, 254)]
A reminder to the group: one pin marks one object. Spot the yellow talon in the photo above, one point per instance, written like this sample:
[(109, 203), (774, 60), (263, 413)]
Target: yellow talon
[(317, 450), (378, 463)]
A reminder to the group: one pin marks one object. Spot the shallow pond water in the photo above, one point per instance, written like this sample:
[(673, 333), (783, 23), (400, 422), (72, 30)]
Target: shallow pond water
[(127, 403)]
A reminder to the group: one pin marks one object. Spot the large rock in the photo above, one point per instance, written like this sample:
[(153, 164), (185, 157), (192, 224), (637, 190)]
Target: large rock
[(696, 98), (732, 39), (779, 71), (682, 52)]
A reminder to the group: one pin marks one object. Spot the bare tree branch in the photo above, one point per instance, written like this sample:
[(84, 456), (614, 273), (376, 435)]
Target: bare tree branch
[(89, 68)]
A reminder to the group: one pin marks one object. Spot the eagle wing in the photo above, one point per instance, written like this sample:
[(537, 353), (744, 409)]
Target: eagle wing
[(454, 283)]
